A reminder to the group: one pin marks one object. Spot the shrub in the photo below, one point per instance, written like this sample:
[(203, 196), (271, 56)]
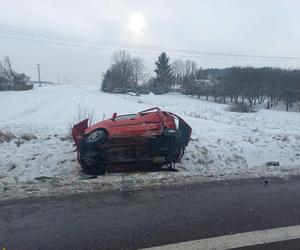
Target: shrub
[(82, 114), (136, 89), (241, 108), (6, 136), (28, 136)]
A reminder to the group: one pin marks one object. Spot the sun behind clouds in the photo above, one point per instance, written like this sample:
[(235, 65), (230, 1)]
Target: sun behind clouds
[(137, 23)]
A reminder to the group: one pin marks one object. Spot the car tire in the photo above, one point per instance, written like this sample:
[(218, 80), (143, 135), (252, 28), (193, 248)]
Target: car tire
[(96, 138), (92, 169)]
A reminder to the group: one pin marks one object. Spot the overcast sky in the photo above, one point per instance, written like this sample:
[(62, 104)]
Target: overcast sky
[(255, 27)]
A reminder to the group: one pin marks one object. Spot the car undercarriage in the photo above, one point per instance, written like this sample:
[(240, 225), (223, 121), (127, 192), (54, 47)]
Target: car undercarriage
[(153, 143)]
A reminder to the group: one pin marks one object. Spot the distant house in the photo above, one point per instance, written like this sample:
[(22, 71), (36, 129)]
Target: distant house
[(4, 84), (176, 88), (205, 82), (22, 86), (18, 86), (21, 82)]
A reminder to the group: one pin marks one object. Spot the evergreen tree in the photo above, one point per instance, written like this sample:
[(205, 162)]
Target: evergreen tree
[(108, 82), (163, 72)]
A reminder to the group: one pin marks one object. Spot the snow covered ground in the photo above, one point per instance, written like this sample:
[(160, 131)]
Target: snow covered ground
[(224, 144)]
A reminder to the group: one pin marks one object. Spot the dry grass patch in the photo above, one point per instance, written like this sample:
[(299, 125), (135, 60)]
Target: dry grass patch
[(28, 136), (67, 137), (6, 136), (241, 108)]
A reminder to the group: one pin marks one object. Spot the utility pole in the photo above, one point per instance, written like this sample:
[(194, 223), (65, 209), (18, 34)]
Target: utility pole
[(39, 74)]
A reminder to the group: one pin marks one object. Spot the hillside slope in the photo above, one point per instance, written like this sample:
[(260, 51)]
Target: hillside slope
[(223, 145)]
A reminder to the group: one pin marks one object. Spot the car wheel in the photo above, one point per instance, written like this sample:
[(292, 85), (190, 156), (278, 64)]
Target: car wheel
[(96, 138), (92, 169)]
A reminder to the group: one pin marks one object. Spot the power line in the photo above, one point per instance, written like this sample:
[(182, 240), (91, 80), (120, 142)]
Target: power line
[(64, 44), (64, 39), (53, 33), (111, 49)]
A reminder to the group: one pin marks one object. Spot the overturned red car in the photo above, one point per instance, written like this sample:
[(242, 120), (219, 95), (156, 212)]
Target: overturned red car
[(149, 138)]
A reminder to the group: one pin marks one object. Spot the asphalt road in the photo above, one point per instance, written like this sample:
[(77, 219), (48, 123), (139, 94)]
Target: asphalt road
[(151, 217)]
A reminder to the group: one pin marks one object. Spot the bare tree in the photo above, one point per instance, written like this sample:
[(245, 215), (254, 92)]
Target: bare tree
[(10, 79), (122, 68), (178, 68), (189, 79), (190, 68), (8, 73), (126, 73), (178, 72), (138, 70)]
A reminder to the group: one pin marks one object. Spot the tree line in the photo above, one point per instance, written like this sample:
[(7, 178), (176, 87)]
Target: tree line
[(127, 73), (247, 85), (255, 85), (10, 79)]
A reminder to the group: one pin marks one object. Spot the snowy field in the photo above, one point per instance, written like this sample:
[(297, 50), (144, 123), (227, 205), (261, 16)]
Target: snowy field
[(224, 145)]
